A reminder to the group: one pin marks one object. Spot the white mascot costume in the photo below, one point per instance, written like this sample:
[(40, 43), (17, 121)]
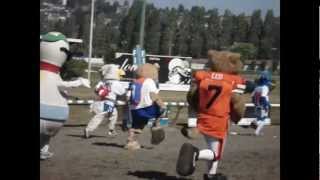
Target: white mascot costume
[(54, 110), (107, 89)]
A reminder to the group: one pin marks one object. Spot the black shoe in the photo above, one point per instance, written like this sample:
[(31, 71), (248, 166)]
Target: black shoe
[(157, 135), (253, 125), (188, 156), (218, 176)]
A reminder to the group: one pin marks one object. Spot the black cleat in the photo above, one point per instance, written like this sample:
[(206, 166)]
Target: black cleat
[(157, 135), (188, 156), (253, 125)]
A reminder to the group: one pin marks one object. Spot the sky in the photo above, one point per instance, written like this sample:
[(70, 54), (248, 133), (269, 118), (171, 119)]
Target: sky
[(236, 6)]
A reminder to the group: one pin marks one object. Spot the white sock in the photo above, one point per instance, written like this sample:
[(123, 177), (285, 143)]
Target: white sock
[(206, 154), (212, 166), (259, 128)]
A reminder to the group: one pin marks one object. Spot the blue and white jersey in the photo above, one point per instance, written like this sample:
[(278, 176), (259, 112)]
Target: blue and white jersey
[(141, 89), (260, 96)]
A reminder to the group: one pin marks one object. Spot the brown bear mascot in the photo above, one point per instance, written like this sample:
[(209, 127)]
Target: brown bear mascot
[(215, 95)]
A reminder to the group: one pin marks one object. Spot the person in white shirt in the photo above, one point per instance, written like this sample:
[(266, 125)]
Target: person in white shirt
[(145, 104), (107, 89)]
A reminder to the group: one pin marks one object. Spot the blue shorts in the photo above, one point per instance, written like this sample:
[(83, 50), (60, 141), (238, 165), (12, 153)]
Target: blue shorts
[(140, 117), (261, 113)]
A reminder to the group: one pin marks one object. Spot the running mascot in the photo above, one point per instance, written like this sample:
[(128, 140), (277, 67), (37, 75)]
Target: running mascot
[(54, 110), (215, 95), (108, 89), (146, 106)]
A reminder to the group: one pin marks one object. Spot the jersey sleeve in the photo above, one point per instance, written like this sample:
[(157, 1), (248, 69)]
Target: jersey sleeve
[(152, 87), (239, 84), (118, 88)]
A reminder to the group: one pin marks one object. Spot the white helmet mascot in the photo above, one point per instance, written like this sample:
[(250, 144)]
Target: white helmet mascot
[(179, 72), (108, 89), (54, 110)]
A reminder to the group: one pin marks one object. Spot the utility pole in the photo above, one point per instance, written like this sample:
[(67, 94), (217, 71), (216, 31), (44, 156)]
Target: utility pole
[(143, 12), (90, 40)]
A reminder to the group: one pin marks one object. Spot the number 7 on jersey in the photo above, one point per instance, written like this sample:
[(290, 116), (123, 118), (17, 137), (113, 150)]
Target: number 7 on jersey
[(216, 90)]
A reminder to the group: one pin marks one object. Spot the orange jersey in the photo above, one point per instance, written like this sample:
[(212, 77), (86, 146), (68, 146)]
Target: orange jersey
[(215, 90)]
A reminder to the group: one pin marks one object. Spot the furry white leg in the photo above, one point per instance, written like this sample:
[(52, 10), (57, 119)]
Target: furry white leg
[(95, 122), (259, 127), (48, 130), (261, 121), (113, 119)]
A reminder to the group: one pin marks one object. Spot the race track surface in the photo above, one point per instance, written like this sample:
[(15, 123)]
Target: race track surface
[(246, 157)]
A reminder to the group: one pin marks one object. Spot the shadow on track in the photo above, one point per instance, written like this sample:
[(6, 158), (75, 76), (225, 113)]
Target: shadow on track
[(108, 144), (154, 175), (117, 145), (81, 136), (75, 125)]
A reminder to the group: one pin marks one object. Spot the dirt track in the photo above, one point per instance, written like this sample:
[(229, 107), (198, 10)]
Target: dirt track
[(103, 158)]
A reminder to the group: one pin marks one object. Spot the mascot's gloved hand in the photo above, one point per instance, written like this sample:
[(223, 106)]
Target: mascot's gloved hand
[(85, 82), (102, 91)]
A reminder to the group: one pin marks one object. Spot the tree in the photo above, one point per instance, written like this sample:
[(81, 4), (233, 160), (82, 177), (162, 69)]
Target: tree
[(247, 50), (45, 25), (100, 6), (240, 28), (255, 29), (212, 32), (276, 37), (168, 28), (115, 6), (129, 27), (152, 30), (111, 40), (182, 36), (181, 9), (71, 27), (84, 32), (196, 30), (227, 29), (59, 26), (267, 36), (99, 36)]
